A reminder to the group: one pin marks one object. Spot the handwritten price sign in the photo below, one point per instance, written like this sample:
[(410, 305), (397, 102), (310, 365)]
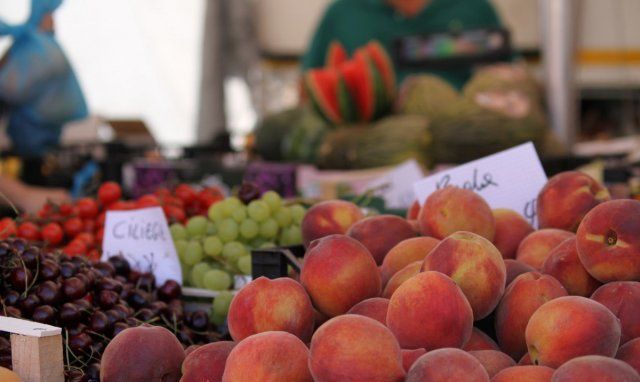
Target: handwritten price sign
[(143, 238), (509, 179)]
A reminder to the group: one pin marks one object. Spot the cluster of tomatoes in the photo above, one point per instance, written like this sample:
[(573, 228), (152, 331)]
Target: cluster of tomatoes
[(78, 228)]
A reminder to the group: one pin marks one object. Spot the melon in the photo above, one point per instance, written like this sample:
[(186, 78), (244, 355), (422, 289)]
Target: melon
[(329, 95), (270, 131), (387, 142), (358, 74), (503, 76), (336, 55), (425, 94), (306, 134)]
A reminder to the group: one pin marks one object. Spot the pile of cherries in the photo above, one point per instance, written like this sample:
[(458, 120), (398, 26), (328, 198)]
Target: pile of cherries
[(92, 301), (78, 228)]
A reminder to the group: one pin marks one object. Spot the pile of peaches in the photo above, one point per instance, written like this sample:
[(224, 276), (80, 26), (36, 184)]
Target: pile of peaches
[(385, 298)]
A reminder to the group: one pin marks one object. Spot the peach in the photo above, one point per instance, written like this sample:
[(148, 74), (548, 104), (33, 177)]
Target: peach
[(535, 248), (405, 253), (524, 374), (430, 311), (381, 233), (511, 228), (207, 362), (608, 241), (7, 375), (268, 356), (522, 298), (475, 265), (595, 368), (141, 354), (375, 308), (453, 209), (409, 357), (566, 198), (448, 364), (565, 266), (339, 272), (329, 218), (569, 327), (413, 211), (630, 353), (480, 341), (493, 361), (525, 360), (271, 305), (355, 348), (400, 277), (515, 268), (623, 299)]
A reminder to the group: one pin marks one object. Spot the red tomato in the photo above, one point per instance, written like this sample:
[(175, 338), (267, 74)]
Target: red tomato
[(72, 227), (109, 192), (66, 209), (45, 211), (87, 208), (162, 192), (185, 193), (174, 214), (99, 235), (93, 255), (87, 237), (89, 225), (100, 219), (148, 201), (29, 231), (75, 248), (8, 228), (208, 196), (173, 201), (53, 234)]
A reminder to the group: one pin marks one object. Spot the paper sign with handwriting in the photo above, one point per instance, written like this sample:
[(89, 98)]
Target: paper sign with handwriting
[(509, 179), (143, 238), (396, 186)]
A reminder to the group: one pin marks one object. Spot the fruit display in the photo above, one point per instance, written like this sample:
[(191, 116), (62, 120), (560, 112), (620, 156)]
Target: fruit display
[(215, 248), (78, 228), (385, 299), (92, 301)]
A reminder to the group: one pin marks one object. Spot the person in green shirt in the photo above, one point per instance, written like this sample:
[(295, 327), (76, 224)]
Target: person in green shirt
[(355, 22)]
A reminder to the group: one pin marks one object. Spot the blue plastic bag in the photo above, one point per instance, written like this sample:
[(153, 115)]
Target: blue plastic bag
[(38, 85)]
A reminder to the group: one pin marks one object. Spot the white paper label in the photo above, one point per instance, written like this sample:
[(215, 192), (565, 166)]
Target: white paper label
[(396, 186), (143, 238), (509, 179)]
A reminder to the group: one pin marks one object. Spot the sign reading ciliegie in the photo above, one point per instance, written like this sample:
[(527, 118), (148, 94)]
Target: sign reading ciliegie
[(508, 179), (143, 238)]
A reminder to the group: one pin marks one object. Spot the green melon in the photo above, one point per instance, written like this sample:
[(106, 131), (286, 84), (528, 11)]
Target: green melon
[(270, 131), (503, 77), (359, 78), (336, 55), (302, 141), (387, 142), (329, 95), (425, 94)]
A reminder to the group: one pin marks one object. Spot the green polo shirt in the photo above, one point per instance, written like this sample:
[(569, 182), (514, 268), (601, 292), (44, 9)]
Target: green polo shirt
[(356, 22)]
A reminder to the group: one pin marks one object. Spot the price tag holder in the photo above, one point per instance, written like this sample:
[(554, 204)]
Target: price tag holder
[(143, 238), (508, 179)]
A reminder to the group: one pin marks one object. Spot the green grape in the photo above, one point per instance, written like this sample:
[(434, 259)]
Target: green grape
[(267, 244), (218, 319), (283, 217), (233, 250), (186, 271), (193, 253), (269, 229), (212, 246), (228, 230), (258, 210), (257, 242), (297, 212), (178, 232), (244, 264), (215, 212), (273, 200), (181, 247), (216, 279), (249, 229), (295, 235), (197, 226), (197, 274), (220, 307), (239, 214), (211, 229)]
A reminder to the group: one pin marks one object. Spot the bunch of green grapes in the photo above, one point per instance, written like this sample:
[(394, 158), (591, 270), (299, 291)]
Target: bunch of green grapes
[(213, 250)]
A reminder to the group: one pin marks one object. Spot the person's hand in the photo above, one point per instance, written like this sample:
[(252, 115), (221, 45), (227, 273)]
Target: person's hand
[(34, 198)]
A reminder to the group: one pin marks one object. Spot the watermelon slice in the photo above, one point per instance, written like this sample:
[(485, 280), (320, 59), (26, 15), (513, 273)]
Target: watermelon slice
[(383, 63), (359, 78), (329, 94), (336, 55), (381, 101)]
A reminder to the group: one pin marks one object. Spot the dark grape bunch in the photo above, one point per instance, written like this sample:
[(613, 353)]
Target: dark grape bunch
[(92, 301)]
